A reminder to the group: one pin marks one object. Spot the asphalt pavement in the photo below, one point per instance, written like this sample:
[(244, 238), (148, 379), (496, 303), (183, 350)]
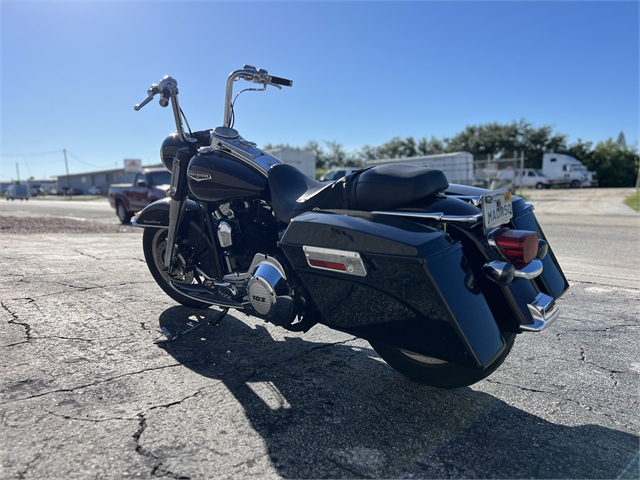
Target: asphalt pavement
[(84, 393)]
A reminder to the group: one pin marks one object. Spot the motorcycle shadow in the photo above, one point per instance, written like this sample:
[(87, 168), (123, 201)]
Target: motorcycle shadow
[(335, 410)]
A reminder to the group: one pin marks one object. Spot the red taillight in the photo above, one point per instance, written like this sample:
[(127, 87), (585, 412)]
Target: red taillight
[(330, 265), (517, 246)]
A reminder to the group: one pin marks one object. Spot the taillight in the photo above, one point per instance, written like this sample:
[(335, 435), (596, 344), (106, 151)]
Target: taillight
[(517, 246)]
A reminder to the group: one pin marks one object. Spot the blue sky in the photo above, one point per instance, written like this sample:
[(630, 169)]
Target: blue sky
[(364, 72)]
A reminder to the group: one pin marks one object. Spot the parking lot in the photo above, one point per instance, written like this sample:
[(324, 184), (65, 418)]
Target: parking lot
[(84, 392)]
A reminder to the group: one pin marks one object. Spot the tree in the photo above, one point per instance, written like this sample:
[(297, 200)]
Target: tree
[(615, 162), (317, 150)]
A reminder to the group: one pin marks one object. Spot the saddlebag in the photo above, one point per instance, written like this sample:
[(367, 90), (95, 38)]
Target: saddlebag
[(393, 281)]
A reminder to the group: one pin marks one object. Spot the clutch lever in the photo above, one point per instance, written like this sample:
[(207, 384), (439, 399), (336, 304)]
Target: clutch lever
[(152, 92)]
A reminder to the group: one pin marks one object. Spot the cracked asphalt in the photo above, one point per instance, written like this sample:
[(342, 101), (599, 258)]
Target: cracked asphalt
[(84, 393)]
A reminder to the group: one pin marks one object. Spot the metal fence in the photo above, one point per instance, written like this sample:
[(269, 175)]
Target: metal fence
[(486, 173)]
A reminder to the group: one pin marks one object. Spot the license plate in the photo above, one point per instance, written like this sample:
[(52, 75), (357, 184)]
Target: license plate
[(496, 208)]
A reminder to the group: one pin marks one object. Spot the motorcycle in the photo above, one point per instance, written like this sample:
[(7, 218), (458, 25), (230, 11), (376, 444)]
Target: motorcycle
[(438, 278)]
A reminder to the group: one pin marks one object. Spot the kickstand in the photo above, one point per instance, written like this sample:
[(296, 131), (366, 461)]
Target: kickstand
[(214, 320)]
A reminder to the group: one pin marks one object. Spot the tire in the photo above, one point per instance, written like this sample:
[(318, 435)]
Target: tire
[(435, 372), (539, 186), (123, 215), (575, 184), (154, 243)]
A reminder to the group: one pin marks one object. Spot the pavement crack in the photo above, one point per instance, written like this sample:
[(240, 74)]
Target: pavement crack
[(568, 399), (85, 288), (158, 469), (22, 473), (521, 388), (256, 371), (16, 318), (86, 254), (589, 330), (93, 384), (90, 420)]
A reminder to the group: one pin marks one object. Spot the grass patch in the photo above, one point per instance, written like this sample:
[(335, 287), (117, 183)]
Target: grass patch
[(633, 201)]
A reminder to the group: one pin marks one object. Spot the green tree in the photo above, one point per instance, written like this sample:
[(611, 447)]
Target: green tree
[(615, 162)]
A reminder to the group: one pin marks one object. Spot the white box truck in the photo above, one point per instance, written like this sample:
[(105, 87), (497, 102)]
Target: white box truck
[(566, 171), (457, 166)]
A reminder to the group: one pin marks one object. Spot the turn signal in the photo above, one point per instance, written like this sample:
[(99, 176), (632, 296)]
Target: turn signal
[(517, 246)]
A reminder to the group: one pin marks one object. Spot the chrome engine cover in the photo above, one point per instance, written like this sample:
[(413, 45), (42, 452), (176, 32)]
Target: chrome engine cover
[(268, 289)]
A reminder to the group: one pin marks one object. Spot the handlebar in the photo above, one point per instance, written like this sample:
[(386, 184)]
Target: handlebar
[(168, 90), (254, 75), (281, 81)]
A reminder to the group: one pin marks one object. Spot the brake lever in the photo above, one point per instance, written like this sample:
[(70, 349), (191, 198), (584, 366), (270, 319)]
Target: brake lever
[(275, 85), (152, 92)]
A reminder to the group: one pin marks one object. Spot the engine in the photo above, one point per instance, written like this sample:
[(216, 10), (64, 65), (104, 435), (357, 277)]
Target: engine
[(269, 292)]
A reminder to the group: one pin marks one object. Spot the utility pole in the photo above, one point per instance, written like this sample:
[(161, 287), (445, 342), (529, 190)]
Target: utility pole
[(66, 166), (18, 172)]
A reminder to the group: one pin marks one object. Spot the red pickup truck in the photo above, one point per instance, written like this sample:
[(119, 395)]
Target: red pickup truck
[(150, 185)]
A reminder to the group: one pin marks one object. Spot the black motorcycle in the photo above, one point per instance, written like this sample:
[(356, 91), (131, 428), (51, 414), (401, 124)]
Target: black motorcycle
[(438, 278)]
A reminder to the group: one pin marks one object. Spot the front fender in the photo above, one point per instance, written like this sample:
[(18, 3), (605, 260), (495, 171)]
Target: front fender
[(156, 214)]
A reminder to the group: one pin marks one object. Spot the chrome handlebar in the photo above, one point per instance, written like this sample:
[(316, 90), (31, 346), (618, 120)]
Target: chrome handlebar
[(168, 90), (253, 75)]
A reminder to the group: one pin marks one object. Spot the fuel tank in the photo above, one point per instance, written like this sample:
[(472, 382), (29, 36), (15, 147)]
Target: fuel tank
[(220, 177)]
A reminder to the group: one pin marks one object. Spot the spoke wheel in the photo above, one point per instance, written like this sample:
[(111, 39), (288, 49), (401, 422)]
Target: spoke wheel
[(154, 243)]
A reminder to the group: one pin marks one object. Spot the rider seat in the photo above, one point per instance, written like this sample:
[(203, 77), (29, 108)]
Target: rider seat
[(385, 187)]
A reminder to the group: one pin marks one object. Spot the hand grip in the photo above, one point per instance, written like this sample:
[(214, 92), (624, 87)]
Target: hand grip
[(282, 81), (165, 94)]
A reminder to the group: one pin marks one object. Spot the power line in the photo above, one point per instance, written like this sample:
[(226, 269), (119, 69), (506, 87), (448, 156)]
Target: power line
[(29, 154), (83, 162)]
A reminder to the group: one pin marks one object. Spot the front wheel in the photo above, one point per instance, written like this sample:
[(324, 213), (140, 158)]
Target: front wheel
[(123, 215), (435, 372), (154, 244)]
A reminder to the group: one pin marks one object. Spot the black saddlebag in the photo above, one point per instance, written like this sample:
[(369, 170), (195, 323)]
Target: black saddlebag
[(394, 281)]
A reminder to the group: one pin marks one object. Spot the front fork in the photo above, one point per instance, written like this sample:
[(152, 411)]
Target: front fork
[(178, 192)]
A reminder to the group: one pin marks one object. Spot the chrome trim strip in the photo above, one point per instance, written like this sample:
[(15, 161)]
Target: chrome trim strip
[(244, 151), (351, 260), (544, 310), (530, 271), (438, 216), (150, 225)]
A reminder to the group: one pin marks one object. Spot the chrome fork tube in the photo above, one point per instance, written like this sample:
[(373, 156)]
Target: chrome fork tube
[(176, 207)]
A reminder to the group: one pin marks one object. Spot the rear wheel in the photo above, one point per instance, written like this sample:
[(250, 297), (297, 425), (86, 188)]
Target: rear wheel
[(539, 186), (435, 372), (575, 184), (154, 244), (123, 215)]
